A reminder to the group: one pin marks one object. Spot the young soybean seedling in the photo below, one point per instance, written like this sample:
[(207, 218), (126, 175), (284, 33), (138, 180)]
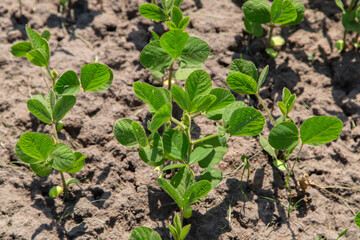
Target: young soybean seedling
[(42, 152), (281, 12), (350, 21)]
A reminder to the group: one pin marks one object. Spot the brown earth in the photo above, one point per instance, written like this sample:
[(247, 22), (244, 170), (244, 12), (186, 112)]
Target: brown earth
[(115, 33)]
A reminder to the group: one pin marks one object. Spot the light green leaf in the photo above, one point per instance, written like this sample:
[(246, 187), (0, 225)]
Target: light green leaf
[(20, 49), (37, 57), (253, 28), (106, 85), (154, 57), (222, 135), (175, 144), (267, 147), (200, 153), (155, 36), (161, 116), (280, 165), (78, 164), (153, 153), (357, 219), (171, 25), (144, 233), (184, 231), (172, 166), (68, 84), (320, 129), (173, 42), (195, 52), (167, 5), (41, 45), (36, 145), (223, 98), (39, 110), (228, 111), (197, 84), (169, 189), (23, 157), (178, 2), (245, 67), (277, 41), (300, 10), (257, 11), (55, 191), (61, 157), (263, 76), (215, 156), (200, 103), (195, 192), (124, 133), (242, 83), (183, 180), (213, 175), (271, 52), (140, 134), (41, 168), (184, 72), (284, 136), (62, 106), (340, 5), (46, 35), (246, 121), (176, 15), (71, 181), (283, 12), (153, 12), (180, 97), (184, 23), (94, 76)]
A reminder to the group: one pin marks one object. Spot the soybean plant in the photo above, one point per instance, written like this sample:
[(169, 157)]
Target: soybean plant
[(41, 151)]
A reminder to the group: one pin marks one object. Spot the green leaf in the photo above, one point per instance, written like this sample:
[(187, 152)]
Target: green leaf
[(340, 5), (36, 40), (267, 147), (283, 12), (320, 129), (357, 13), (281, 165), (55, 191), (185, 70), (61, 157), (257, 11), (153, 153), (284, 136), (23, 157), (286, 94), (246, 121), (228, 111), (175, 144), (62, 106), (156, 98), (172, 166), (144, 233), (167, 5), (197, 84), (46, 35), (94, 76), (71, 181), (253, 28), (178, 2), (340, 44), (78, 164), (50, 101), (20, 49), (171, 25), (155, 36), (223, 98), (200, 103), (37, 57), (263, 76), (184, 232), (277, 41), (124, 133), (140, 134), (184, 23), (39, 110), (106, 85), (222, 135), (153, 12), (161, 116), (271, 52), (245, 67), (176, 15), (215, 156), (196, 51), (357, 219), (213, 175), (195, 192), (183, 180), (41, 168), (173, 231), (300, 11), (180, 97), (41, 45), (242, 83), (349, 23), (173, 42), (200, 153), (68, 84), (169, 189), (290, 103), (36, 145), (154, 57)]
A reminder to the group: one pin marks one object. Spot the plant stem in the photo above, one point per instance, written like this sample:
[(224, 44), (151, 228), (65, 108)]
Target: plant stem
[(171, 71), (351, 5), (177, 122), (51, 77), (196, 115), (204, 139), (266, 109), (292, 168), (270, 34)]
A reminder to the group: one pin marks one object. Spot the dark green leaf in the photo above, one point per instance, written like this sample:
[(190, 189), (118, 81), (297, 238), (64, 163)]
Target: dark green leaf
[(68, 84), (161, 116), (228, 111), (46, 35), (62, 106), (180, 97), (257, 11), (61, 157), (20, 49), (39, 110), (94, 76), (140, 134), (283, 12), (222, 135), (124, 133), (169, 189), (320, 129), (241, 83), (23, 157), (155, 36), (213, 175), (154, 57), (175, 144), (349, 23), (195, 52), (178, 2), (246, 121), (167, 5), (263, 76), (36, 145), (215, 156), (172, 166), (200, 153), (153, 12), (223, 98), (78, 164), (245, 67), (197, 84), (195, 192), (41, 168), (143, 233), (357, 219), (284, 136), (300, 10), (173, 42), (183, 180), (200, 103), (253, 28), (153, 154)]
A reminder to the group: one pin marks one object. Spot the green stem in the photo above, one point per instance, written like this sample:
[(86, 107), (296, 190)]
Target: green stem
[(351, 5), (204, 139), (196, 115), (266, 109), (270, 34), (177, 122), (171, 71), (292, 168), (51, 77)]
